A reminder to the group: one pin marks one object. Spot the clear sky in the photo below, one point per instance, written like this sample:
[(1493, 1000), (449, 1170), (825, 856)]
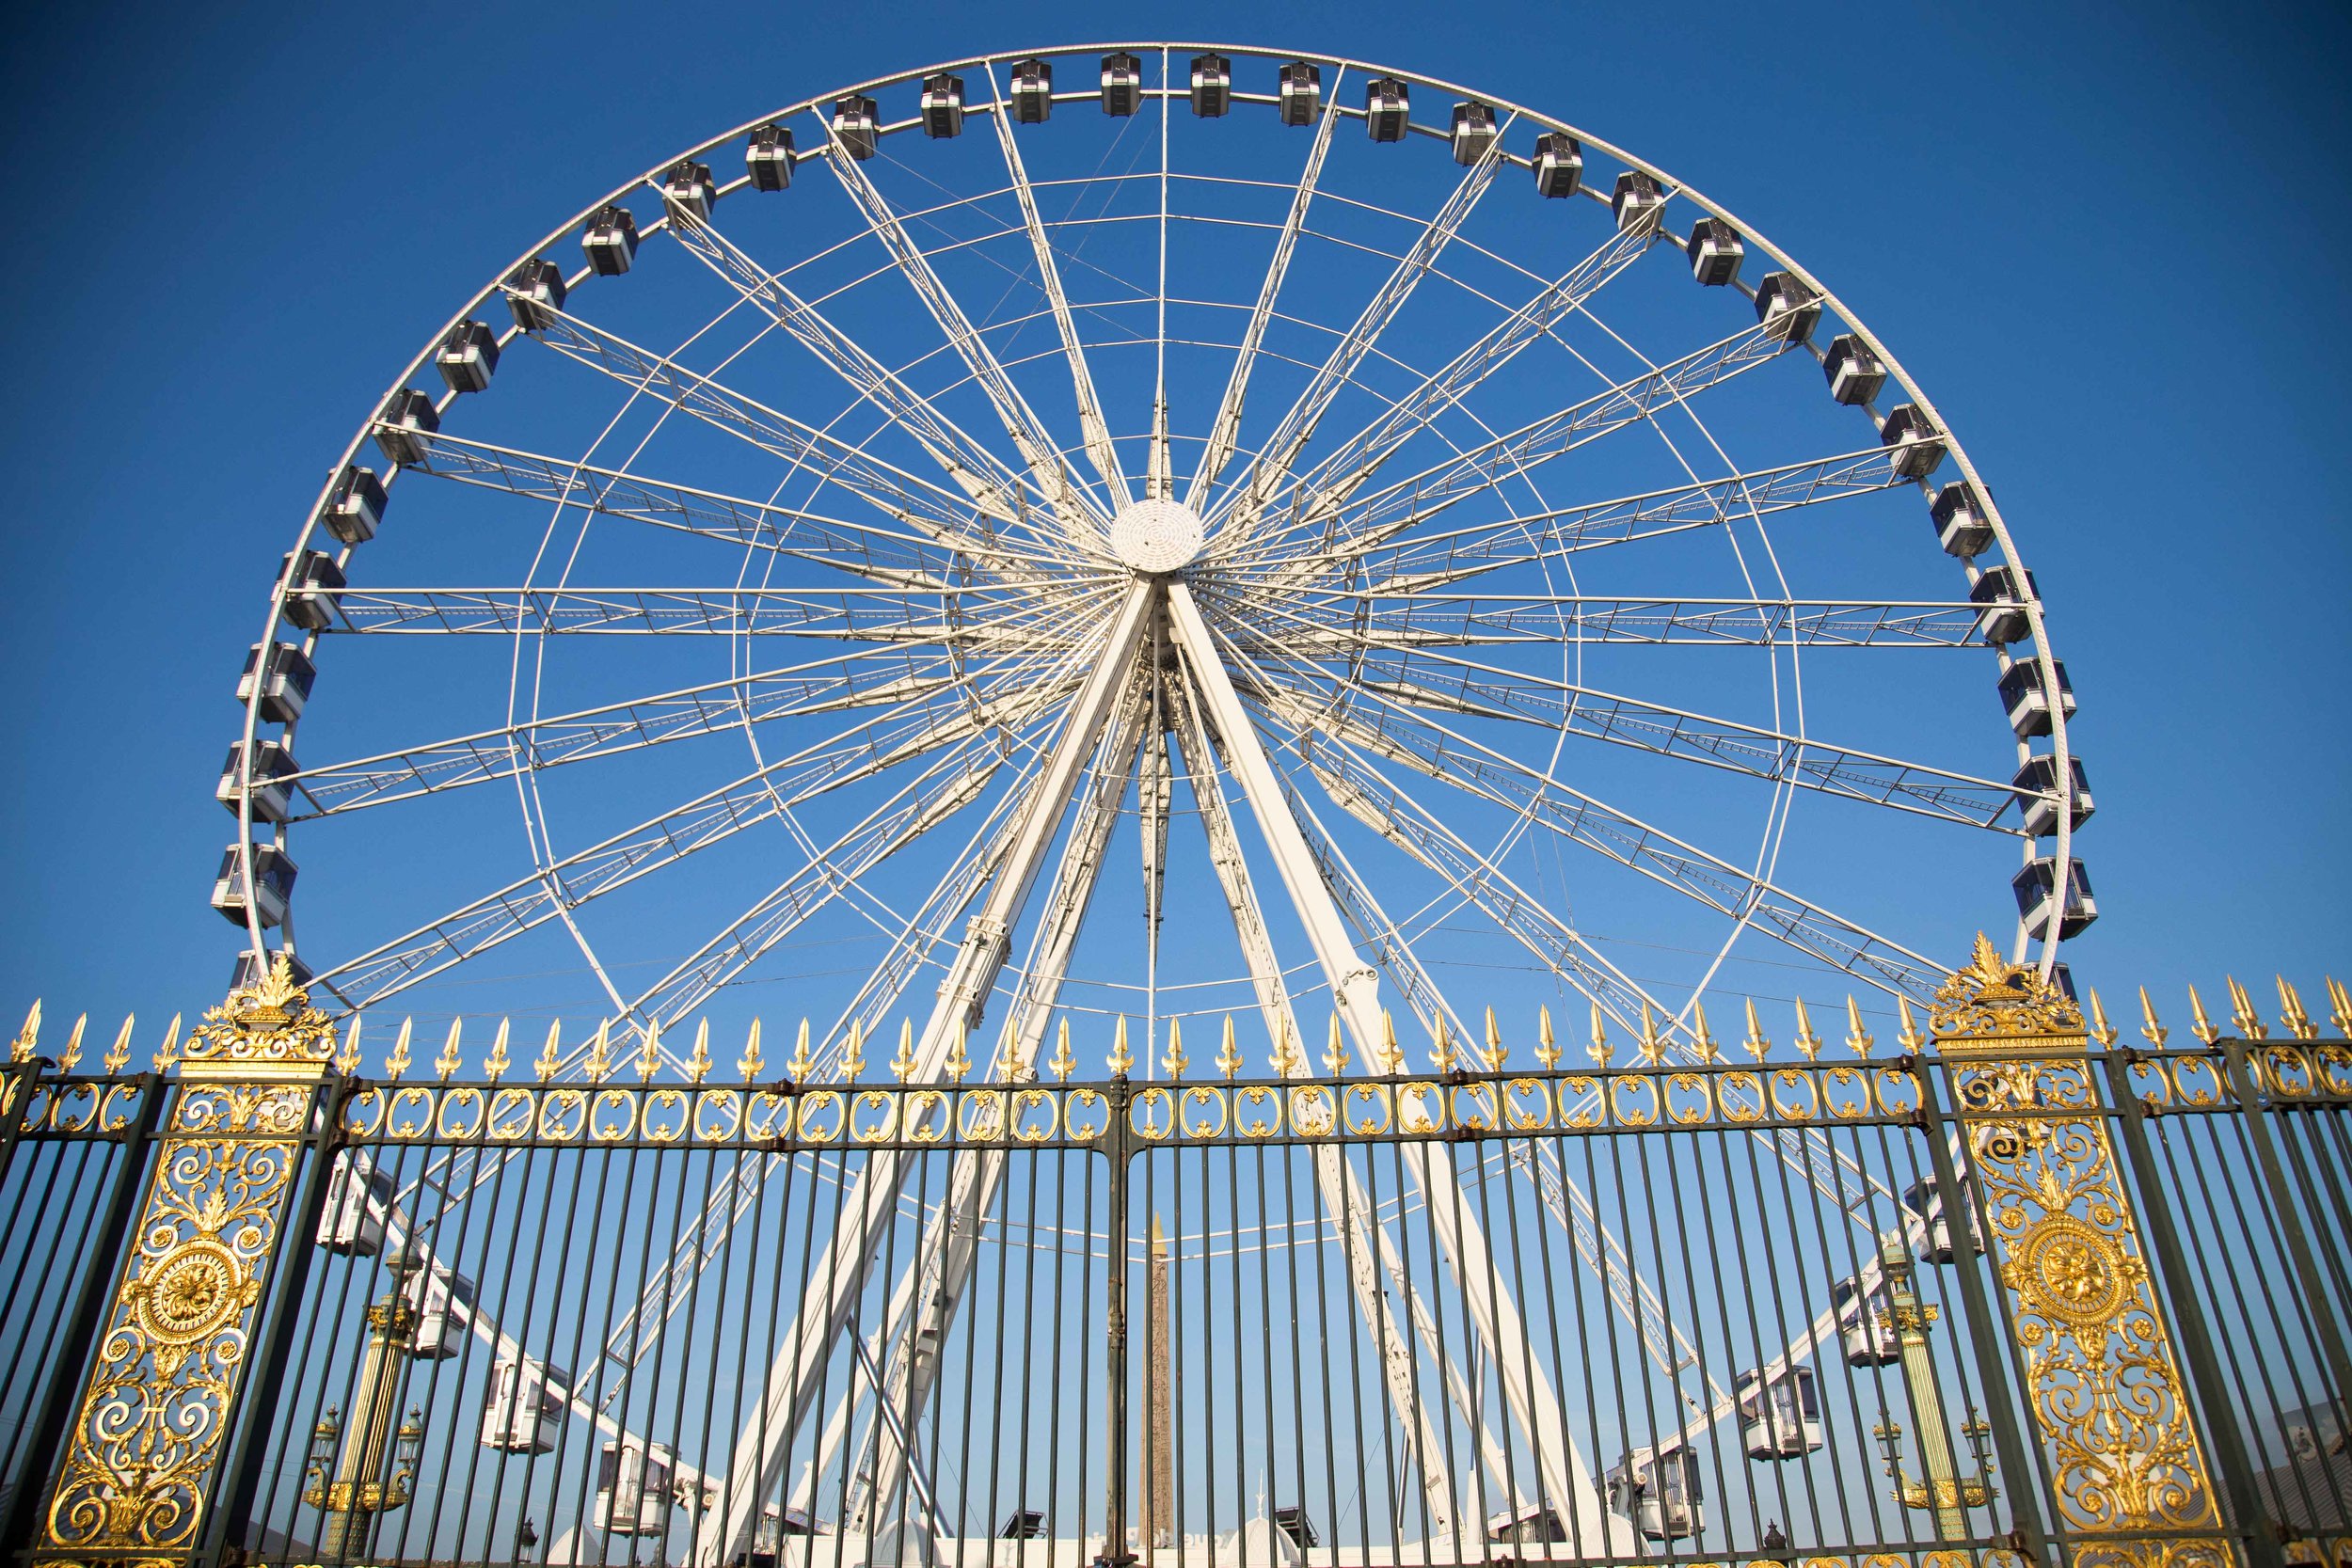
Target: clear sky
[(2108, 240)]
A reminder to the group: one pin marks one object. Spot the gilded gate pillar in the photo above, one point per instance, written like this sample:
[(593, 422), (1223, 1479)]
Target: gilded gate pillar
[(2102, 1379), (142, 1460)]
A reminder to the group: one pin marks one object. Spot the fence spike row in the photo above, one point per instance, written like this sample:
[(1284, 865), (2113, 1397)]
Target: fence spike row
[(1598, 1049), (1173, 1062), (2198, 1024), (1122, 1061), (698, 1064), (649, 1059), (169, 1051), (1391, 1054), (1494, 1053), (2100, 1030), (902, 1064), (445, 1066), (29, 1037), (1807, 1042), (600, 1055), (2250, 1022), (1910, 1040), (347, 1059), (1546, 1048), (2296, 1022), (853, 1053), (2150, 1030), (119, 1054), (798, 1067), (1441, 1056), (1651, 1046), (494, 1066), (1063, 1064), (959, 1062), (1228, 1055), (1335, 1047), (397, 1063), (549, 1061), (1758, 1047), (1702, 1037), (2340, 1006), (71, 1057), (1286, 1058), (1858, 1039)]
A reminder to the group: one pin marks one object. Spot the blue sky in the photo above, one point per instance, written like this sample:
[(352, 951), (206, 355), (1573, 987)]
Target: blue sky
[(2105, 239)]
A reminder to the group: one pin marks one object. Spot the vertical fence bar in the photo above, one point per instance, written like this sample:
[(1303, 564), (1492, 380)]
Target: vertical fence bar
[(1117, 1145)]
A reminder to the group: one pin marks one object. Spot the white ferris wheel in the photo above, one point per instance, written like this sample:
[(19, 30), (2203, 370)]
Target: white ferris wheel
[(1456, 552)]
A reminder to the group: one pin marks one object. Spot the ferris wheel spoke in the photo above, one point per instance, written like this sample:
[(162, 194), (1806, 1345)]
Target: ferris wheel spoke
[(1618, 836), (1419, 682), (945, 514), (1224, 432), (1324, 489), (1381, 515), (880, 555), (1075, 510), (910, 732), (1239, 515), (960, 617), (1438, 559), (966, 460), (864, 678), (1095, 433)]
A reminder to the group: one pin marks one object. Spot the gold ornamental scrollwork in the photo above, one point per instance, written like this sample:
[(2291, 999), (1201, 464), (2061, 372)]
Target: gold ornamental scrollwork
[(139, 1460), (2102, 1379)]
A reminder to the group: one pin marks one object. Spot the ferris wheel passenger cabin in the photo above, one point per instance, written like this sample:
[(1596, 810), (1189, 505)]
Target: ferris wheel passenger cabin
[(1559, 163), (1786, 307), (1866, 1324), (1918, 445), (273, 764), (768, 157), (1387, 108), (311, 580), (1658, 1491), (1474, 131), (2028, 704), (1212, 85), (1961, 527), (2003, 602), (1033, 91), (942, 106), (354, 505), (1298, 92), (1635, 197), (468, 357), (409, 416), (610, 241), (284, 676), (1926, 1217), (534, 293), (523, 1412), (2036, 782), (1856, 375), (274, 876), (856, 124), (1780, 1416), (1122, 83), (358, 1196), (444, 1303), (633, 1487), (687, 187), (2038, 901), (1715, 250)]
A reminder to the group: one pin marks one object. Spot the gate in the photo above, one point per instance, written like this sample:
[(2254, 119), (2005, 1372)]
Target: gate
[(2007, 1291)]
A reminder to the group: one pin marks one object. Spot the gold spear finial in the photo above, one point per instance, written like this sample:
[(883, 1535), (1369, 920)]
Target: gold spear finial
[(1285, 1049), (853, 1053), (1910, 1040), (1441, 1056), (397, 1063), (2150, 1030), (1495, 1050), (2291, 1013), (1807, 1042), (2198, 1024), (1062, 1064), (1757, 1046), (1228, 1055), (2250, 1022), (1175, 1062), (169, 1051), (1857, 1037), (71, 1057), (545, 1068), (698, 1064), (1122, 1060), (649, 1061), (2339, 1005), (1546, 1048), (494, 1066), (118, 1055), (1650, 1046), (1702, 1038), (799, 1066), (347, 1060), (2100, 1030), (27, 1044), (600, 1052), (959, 1060), (1599, 1050), (1391, 1054), (1335, 1049), (750, 1064), (445, 1066), (902, 1064)]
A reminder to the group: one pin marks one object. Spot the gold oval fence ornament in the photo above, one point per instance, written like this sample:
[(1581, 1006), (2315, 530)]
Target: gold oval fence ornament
[(1370, 1109), (821, 1117), (1087, 1116), (510, 1115), (718, 1115), (1204, 1112)]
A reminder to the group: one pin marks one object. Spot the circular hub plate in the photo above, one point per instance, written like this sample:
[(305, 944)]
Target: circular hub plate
[(1156, 536)]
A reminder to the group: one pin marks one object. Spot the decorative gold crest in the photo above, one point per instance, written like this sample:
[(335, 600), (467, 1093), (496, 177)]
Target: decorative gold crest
[(1995, 997), (269, 1026)]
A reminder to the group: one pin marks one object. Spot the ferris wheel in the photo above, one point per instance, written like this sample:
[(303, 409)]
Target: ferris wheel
[(809, 560)]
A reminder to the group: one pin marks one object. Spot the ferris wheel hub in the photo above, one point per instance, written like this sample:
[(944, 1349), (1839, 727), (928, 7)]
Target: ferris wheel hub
[(1155, 536)]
